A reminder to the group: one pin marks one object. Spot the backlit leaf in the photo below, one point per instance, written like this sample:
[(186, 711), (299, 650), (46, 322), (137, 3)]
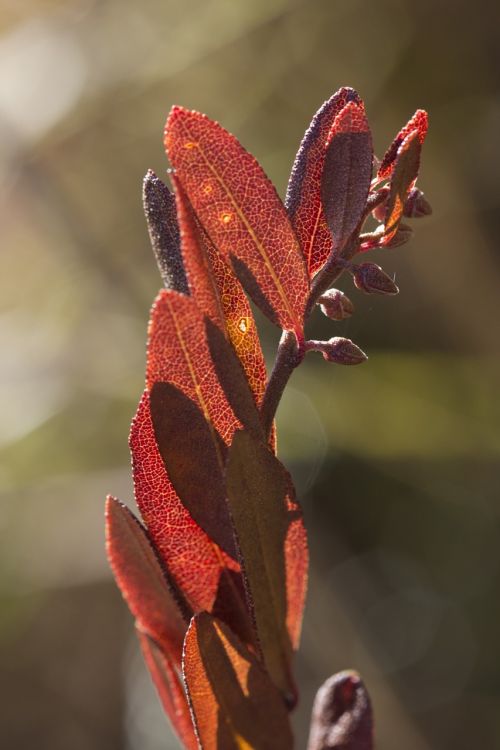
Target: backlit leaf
[(142, 579), (303, 198), (403, 178), (184, 547), (233, 379), (241, 212), (219, 294), (188, 357), (193, 453), (235, 705), (296, 567), (178, 353), (159, 207), (240, 322), (420, 123), (257, 488), (347, 172), (342, 715), (201, 280), (170, 690), (207, 576)]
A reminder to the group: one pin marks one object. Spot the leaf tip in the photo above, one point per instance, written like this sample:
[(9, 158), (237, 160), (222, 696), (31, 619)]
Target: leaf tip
[(113, 509)]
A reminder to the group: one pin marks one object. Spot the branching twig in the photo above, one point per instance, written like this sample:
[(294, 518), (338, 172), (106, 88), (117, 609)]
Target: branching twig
[(288, 357)]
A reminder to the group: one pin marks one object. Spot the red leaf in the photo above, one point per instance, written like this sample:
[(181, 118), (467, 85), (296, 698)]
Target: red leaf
[(403, 178), (192, 452), (233, 379), (201, 280), (234, 703), (194, 561), (190, 445), (342, 715), (347, 172), (241, 212), (303, 198), (219, 294), (170, 691), (240, 323), (419, 122), (178, 353), (142, 580), (296, 567)]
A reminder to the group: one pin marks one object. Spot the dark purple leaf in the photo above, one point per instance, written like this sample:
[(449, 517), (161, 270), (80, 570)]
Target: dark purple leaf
[(347, 173)]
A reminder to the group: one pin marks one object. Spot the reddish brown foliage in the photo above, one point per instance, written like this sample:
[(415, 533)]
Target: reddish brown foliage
[(223, 546)]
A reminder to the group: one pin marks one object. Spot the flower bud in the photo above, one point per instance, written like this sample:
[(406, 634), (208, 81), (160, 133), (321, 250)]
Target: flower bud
[(402, 236), (370, 278), (336, 305), (342, 715), (416, 205), (341, 351), (161, 219)]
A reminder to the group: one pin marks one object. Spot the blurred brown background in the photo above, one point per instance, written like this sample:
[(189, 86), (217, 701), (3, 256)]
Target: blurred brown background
[(396, 462)]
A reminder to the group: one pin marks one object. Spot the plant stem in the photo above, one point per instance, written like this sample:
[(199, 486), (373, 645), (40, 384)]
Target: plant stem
[(288, 356), (287, 359)]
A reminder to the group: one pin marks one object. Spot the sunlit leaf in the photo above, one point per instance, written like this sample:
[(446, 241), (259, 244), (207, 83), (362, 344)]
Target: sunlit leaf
[(178, 353), (201, 280), (342, 715), (257, 489), (193, 453), (241, 212), (232, 378), (208, 578), (235, 705), (403, 178), (347, 172), (303, 198), (218, 293), (195, 379), (142, 579), (240, 322), (420, 123), (170, 690), (296, 567), (159, 208)]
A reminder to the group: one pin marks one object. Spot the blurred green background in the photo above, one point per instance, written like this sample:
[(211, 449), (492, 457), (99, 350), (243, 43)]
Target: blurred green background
[(396, 462)]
